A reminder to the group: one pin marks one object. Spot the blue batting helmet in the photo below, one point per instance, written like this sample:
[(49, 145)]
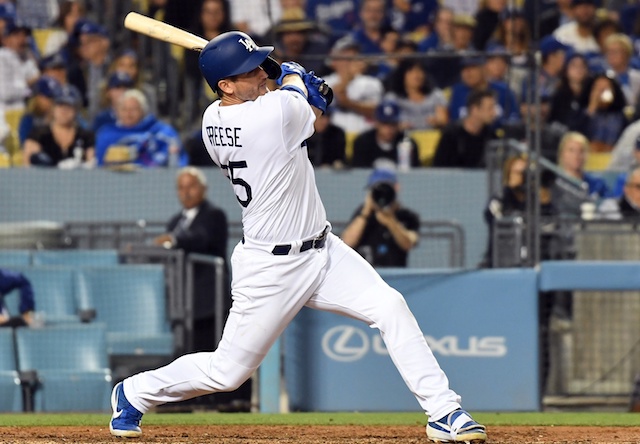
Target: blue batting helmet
[(233, 53)]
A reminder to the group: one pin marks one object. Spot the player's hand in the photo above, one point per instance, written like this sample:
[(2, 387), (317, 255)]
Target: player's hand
[(369, 206), (320, 94), (28, 317), (290, 68)]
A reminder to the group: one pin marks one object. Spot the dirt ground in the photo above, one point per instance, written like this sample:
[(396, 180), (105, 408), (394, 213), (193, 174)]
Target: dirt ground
[(313, 435)]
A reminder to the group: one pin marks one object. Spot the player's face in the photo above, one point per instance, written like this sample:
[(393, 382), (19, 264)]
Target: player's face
[(190, 191), (251, 85)]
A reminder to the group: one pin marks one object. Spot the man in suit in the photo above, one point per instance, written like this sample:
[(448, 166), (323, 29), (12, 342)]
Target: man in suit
[(200, 227)]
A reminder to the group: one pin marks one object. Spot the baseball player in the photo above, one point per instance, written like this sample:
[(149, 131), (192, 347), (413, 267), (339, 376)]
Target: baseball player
[(288, 257)]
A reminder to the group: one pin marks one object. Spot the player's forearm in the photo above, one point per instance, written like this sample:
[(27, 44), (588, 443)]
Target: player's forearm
[(296, 81)]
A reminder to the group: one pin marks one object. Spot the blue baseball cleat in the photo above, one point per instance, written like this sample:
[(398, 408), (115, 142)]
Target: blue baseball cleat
[(456, 427), (125, 421)]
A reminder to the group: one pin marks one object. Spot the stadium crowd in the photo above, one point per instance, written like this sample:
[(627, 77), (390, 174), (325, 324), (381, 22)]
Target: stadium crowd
[(417, 83)]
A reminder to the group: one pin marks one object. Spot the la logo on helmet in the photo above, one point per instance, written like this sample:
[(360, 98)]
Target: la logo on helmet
[(248, 44)]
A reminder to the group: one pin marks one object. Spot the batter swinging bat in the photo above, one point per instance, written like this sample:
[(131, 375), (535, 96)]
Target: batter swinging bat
[(163, 31)]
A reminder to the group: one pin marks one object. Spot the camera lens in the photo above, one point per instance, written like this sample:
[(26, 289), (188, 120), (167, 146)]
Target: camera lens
[(383, 194)]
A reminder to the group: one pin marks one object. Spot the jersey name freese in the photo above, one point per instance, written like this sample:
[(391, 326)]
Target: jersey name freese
[(259, 147)]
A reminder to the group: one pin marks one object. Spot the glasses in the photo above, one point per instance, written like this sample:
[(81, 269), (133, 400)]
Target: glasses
[(635, 186)]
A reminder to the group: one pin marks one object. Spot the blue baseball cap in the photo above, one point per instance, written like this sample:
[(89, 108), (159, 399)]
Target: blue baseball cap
[(13, 26), (53, 61), (550, 44), (382, 175), (469, 61), (47, 86), (387, 111), (120, 79), (68, 96), (7, 11)]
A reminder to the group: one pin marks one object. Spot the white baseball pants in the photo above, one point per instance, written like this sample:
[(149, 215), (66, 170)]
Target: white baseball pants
[(268, 291)]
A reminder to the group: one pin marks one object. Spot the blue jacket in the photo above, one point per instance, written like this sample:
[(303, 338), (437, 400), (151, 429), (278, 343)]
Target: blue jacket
[(150, 139), (10, 281)]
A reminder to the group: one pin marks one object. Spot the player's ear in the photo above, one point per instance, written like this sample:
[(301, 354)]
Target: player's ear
[(226, 86)]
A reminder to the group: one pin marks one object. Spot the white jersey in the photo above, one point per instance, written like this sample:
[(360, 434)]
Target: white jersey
[(259, 146)]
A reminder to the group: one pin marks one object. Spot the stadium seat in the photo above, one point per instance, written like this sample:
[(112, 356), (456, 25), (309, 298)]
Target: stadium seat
[(76, 258), (12, 117), (130, 300), (15, 257), (10, 389), (348, 148), (41, 36), (72, 366), (427, 141), (597, 161), (53, 289)]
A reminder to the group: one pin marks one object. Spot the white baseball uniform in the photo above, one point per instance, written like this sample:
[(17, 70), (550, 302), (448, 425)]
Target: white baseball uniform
[(259, 146)]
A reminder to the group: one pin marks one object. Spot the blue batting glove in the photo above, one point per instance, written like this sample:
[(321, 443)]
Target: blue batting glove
[(291, 68), (320, 94)]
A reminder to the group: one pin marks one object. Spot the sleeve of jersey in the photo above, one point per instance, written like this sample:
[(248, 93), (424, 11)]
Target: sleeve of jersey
[(297, 118)]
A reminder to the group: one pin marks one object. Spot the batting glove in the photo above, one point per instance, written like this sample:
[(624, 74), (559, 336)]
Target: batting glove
[(320, 94), (291, 68)]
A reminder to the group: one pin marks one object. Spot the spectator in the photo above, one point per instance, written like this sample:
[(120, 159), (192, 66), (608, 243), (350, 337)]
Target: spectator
[(512, 202), (356, 94), (385, 145), (297, 38), (255, 17), (566, 107), (372, 26), (62, 143), (629, 203), (618, 52), (40, 106), (127, 61), (441, 38), (199, 227), (466, 7), (487, 18), (381, 229), (422, 106), (18, 68), (462, 144), (579, 33), (326, 147), (411, 17), (89, 65), (618, 185), (513, 34), (623, 154), (602, 30), (553, 61), (603, 119), (473, 77), (496, 64), (338, 21), (10, 281), (213, 19), (138, 137), (572, 157), (70, 12), (117, 84), (553, 17), (462, 32)]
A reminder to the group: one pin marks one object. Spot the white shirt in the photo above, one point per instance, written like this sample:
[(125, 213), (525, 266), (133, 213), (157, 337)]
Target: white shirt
[(258, 146), (363, 88), (259, 15), (14, 77), (568, 34)]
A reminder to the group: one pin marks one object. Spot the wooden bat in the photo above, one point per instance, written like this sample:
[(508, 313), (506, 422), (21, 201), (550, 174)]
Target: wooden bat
[(163, 31)]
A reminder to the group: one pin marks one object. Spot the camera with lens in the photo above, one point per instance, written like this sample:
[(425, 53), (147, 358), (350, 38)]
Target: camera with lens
[(383, 194)]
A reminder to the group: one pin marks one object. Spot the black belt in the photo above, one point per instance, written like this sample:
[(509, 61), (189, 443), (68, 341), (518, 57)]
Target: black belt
[(317, 243)]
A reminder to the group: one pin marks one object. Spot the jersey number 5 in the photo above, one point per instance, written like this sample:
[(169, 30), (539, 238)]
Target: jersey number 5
[(236, 181)]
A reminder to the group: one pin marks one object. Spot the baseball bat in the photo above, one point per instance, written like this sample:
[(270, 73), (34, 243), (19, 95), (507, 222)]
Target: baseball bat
[(163, 31)]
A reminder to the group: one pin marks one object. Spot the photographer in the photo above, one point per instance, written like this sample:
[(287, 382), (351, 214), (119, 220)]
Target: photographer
[(381, 230)]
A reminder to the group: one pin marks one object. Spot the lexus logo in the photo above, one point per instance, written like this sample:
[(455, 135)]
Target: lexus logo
[(345, 343)]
